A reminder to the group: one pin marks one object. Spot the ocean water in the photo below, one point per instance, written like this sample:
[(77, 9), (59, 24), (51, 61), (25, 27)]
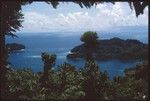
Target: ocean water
[(61, 45)]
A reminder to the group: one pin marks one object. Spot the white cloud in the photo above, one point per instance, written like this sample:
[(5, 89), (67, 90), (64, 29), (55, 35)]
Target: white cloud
[(107, 15), (120, 14), (35, 21)]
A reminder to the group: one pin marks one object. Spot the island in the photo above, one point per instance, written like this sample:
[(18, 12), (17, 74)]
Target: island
[(14, 47), (115, 48)]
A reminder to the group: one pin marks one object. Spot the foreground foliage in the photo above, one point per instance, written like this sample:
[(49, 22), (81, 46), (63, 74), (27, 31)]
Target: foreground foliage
[(68, 82)]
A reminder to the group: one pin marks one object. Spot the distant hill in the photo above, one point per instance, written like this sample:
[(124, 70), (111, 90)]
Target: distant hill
[(114, 48), (14, 47)]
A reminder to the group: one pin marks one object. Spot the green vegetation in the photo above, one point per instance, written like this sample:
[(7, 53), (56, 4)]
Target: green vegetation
[(89, 38), (95, 81), (114, 48), (68, 82), (14, 47), (141, 71), (12, 17)]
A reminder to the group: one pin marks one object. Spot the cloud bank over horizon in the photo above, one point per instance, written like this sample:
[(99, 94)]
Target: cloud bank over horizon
[(40, 17)]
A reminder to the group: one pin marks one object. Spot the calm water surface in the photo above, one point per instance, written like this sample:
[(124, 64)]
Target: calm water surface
[(60, 45)]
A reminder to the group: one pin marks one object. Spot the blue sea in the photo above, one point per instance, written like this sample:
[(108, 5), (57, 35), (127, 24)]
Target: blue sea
[(61, 44)]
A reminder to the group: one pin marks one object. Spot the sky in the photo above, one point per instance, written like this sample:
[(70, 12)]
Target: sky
[(70, 17)]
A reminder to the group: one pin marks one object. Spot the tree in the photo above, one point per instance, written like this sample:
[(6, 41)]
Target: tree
[(89, 38), (95, 82), (71, 82), (49, 61), (22, 84), (11, 19)]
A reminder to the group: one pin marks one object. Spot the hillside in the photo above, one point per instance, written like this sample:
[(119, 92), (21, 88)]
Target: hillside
[(114, 48)]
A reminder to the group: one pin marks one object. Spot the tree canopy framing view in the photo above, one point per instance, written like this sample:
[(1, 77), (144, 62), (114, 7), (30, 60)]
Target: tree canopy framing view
[(67, 82)]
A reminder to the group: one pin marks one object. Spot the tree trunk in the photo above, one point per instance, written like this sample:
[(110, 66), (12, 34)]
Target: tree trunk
[(3, 61)]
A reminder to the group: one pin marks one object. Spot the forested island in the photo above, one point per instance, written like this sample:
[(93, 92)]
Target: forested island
[(11, 47), (114, 48)]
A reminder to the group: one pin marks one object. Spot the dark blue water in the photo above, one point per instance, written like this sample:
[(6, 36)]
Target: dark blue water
[(60, 45)]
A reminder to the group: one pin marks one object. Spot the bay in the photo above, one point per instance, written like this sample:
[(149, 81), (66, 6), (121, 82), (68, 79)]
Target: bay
[(61, 46)]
